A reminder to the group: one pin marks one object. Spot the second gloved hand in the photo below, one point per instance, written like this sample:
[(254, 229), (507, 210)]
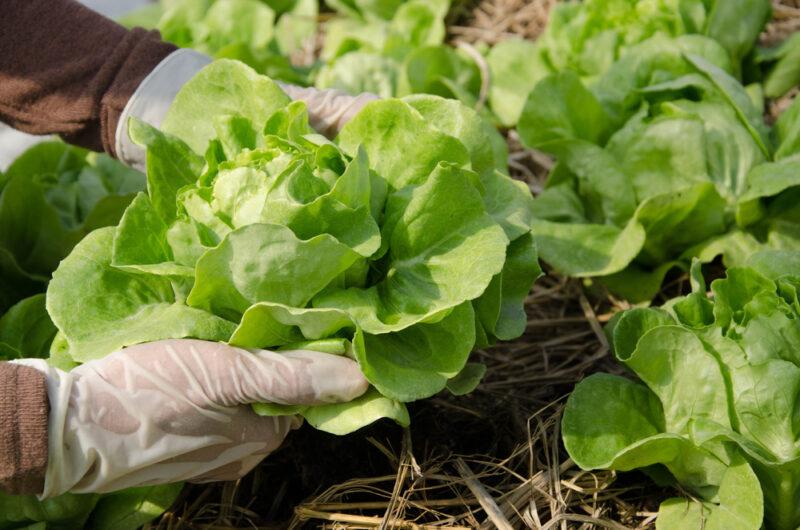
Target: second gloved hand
[(177, 410), (328, 110)]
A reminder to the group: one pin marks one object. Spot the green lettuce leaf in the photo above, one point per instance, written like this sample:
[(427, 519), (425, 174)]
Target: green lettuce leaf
[(787, 131), (132, 508), (516, 67), (26, 330), (135, 308), (394, 50), (60, 513), (780, 64), (427, 261), (467, 379)]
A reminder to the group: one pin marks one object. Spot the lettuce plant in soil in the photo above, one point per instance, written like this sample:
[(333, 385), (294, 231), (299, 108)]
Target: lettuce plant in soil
[(665, 159), (50, 197), (587, 37), (715, 408), (402, 244), (261, 33)]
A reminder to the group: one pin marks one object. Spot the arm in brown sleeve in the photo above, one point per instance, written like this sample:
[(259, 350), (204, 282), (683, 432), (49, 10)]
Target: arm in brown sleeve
[(67, 70), (23, 429)]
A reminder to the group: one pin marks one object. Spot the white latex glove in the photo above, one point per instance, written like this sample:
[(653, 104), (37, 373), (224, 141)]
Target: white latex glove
[(328, 110), (177, 410)]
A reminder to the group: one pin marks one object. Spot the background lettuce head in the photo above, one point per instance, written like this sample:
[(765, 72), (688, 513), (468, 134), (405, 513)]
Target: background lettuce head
[(715, 410), (665, 158)]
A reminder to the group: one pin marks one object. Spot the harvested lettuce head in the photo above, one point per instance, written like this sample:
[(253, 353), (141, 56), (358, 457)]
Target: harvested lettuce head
[(716, 408), (402, 244)]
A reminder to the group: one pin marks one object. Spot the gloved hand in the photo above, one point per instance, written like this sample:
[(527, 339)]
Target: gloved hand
[(328, 110), (177, 410)]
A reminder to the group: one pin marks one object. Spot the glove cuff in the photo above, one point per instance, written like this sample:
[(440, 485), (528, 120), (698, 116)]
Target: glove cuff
[(152, 99), (60, 472), (23, 429)]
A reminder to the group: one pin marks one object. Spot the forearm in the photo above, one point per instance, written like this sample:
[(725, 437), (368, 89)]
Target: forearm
[(23, 429), (67, 70)]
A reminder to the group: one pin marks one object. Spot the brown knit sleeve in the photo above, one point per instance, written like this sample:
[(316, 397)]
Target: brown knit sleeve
[(67, 70), (23, 429)]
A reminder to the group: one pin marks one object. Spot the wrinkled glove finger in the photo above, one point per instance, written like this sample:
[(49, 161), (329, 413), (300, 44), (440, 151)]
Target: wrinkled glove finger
[(200, 371), (233, 376), (177, 410), (307, 378)]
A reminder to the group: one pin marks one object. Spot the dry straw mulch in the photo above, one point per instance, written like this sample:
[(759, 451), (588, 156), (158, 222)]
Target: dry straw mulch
[(492, 459), (495, 20), (785, 21)]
